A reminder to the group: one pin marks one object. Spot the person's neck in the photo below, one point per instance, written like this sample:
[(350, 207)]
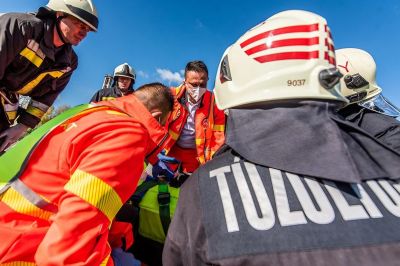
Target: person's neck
[(57, 41)]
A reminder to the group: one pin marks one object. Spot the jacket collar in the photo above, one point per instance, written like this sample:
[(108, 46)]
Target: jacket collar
[(47, 45), (135, 109), (307, 138)]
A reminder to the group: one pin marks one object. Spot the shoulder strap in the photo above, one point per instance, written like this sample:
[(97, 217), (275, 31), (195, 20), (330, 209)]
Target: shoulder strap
[(141, 190), (164, 199)]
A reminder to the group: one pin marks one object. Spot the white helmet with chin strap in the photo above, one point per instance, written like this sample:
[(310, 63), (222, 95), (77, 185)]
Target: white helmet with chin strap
[(288, 56), (359, 81), (125, 70), (84, 10)]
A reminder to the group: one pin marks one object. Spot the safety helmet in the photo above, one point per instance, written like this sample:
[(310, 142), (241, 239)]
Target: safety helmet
[(288, 56), (125, 70), (359, 74), (84, 10), (358, 83)]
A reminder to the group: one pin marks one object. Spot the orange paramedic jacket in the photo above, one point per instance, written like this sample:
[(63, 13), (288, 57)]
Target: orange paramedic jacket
[(209, 124), (78, 177)]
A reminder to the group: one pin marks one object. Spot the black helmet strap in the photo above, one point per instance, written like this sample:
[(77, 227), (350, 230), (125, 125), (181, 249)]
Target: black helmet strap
[(60, 34)]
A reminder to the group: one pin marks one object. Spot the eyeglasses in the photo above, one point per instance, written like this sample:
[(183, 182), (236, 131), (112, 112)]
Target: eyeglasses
[(79, 24), (190, 85)]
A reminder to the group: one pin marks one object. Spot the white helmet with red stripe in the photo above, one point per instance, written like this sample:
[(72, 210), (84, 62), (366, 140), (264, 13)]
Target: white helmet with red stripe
[(288, 56)]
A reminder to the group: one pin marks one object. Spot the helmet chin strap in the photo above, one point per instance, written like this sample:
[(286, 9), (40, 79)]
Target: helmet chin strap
[(60, 34)]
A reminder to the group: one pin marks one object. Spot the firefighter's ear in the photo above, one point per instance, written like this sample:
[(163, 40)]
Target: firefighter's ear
[(157, 114)]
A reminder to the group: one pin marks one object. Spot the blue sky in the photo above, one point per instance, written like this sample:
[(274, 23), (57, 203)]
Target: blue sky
[(158, 38)]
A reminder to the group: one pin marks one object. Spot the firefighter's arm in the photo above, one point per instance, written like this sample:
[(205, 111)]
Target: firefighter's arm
[(218, 138), (107, 167), (39, 104), (13, 38), (97, 96)]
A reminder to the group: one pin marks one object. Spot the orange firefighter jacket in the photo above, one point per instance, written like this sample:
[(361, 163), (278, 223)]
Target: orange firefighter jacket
[(59, 211), (209, 124)]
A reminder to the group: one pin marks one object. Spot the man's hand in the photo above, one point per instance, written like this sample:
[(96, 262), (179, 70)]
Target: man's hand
[(11, 135)]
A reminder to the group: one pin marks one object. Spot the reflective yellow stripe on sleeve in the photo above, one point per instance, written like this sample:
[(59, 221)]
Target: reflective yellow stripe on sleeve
[(31, 85), (219, 127), (96, 192), (20, 204), (31, 56), (18, 263)]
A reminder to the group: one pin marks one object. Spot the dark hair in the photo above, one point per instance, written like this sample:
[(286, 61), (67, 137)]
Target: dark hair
[(156, 95), (197, 66)]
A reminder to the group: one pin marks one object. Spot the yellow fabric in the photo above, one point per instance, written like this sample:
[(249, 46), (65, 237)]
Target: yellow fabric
[(20, 204), (173, 134), (202, 160), (105, 261), (31, 85), (219, 127), (18, 263), (35, 111), (109, 98), (11, 115), (96, 192), (31, 56), (199, 141), (112, 112)]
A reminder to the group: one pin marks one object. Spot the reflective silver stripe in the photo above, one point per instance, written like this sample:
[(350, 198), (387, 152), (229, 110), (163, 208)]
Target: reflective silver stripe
[(39, 105), (33, 198), (34, 46)]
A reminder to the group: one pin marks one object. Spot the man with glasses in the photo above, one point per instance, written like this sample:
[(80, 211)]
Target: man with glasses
[(196, 125), (294, 184), (37, 60), (367, 107)]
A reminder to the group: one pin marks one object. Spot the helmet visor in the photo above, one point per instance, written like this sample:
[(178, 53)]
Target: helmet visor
[(381, 105)]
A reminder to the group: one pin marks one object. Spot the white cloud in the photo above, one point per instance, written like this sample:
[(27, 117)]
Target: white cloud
[(169, 76), (143, 74)]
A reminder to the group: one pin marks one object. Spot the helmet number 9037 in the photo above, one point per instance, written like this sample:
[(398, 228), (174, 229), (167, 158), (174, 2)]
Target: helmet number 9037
[(296, 82)]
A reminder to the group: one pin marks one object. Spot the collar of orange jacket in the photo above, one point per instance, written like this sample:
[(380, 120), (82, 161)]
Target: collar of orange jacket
[(132, 106)]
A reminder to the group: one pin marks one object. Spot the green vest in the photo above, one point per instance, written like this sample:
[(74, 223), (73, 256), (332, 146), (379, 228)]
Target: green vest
[(157, 203)]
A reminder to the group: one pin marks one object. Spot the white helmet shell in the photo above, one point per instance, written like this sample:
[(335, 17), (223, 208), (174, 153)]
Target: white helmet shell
[(359, 74), (281, 58), (84, 10), (125, 70), (359, 81)]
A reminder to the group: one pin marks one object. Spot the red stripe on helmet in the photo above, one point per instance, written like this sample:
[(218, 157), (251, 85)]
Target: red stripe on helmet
[(330, 59), (327, 30), (287, 56), (283, 43), (284, 30), (329, 45)]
